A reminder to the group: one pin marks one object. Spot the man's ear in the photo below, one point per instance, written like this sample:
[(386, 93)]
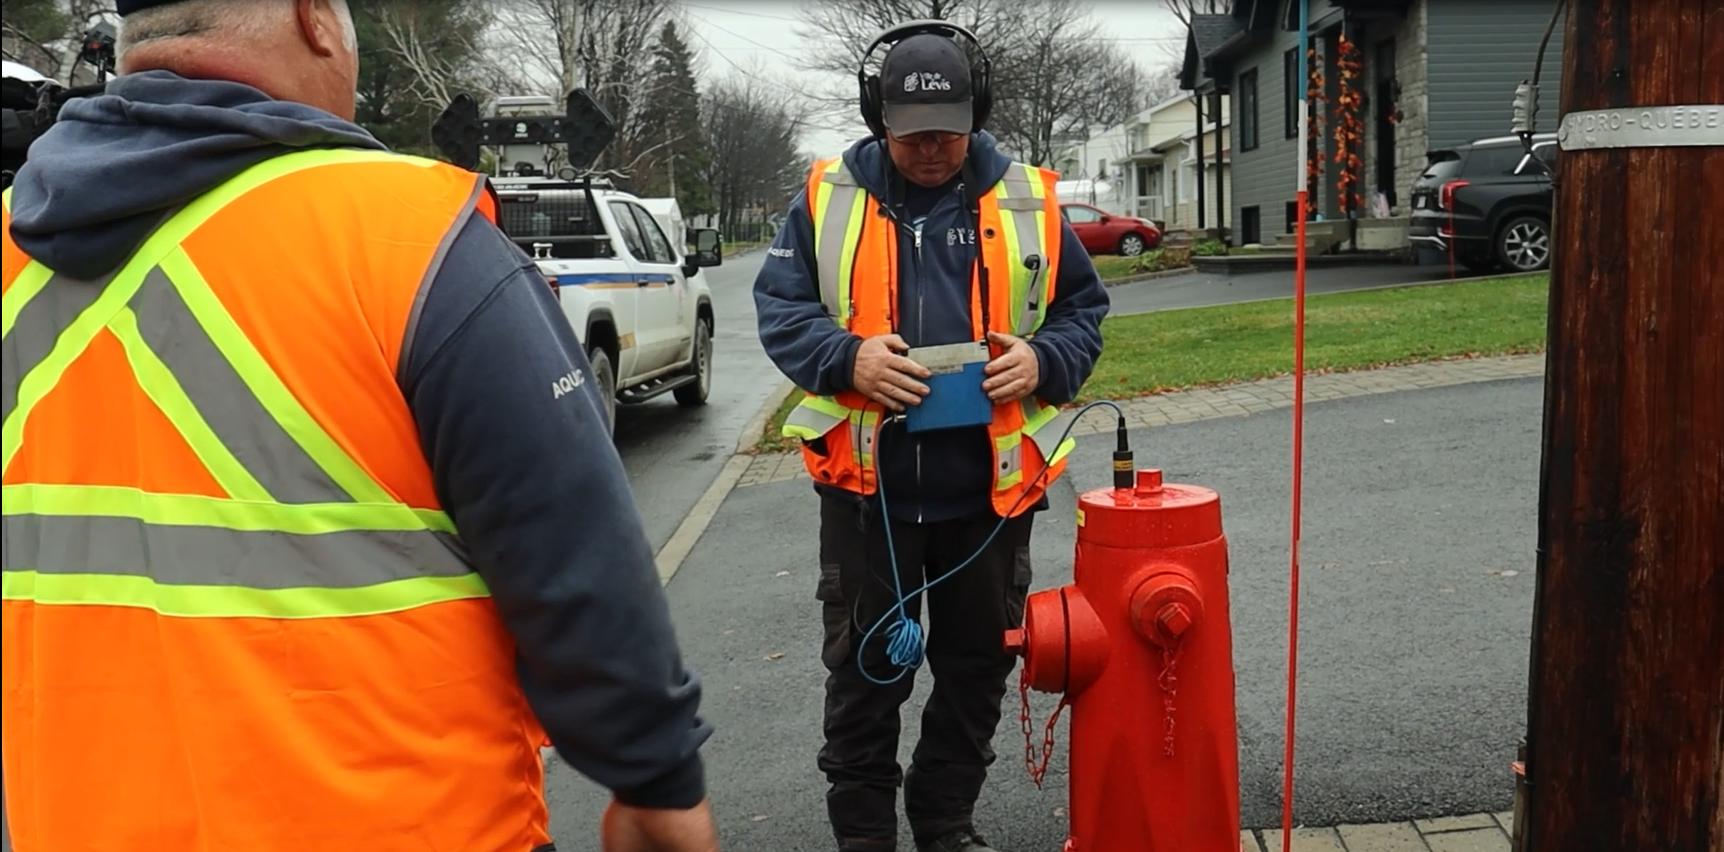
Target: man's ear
[(320, 26)]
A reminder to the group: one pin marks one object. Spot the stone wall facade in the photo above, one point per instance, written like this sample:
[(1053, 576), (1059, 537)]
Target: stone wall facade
[(1412, 133)]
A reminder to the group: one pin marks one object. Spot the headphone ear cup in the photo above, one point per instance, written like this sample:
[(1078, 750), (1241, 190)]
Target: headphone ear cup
[(983, 103), (869, 101)]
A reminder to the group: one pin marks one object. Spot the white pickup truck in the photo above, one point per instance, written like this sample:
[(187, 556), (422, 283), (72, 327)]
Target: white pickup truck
[(634, 297)]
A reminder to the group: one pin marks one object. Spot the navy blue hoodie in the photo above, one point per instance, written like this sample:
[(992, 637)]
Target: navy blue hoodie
[(532, 482), (933, 476)]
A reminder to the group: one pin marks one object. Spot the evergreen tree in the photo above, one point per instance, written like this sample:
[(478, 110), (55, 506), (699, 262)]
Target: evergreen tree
[(672, 120)]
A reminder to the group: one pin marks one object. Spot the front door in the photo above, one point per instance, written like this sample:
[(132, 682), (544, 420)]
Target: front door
[(1086, 223), (662, 332), (1386, 118)]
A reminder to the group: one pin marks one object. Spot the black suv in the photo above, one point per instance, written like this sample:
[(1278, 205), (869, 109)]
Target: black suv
[(1488, 203)]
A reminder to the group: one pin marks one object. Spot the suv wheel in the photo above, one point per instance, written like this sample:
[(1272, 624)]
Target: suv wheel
[(1131, 245), (695, 392), (1524, 244), (606, 376)]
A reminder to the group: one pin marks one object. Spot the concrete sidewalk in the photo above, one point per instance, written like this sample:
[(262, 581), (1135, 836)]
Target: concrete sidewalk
[(1421, 508)]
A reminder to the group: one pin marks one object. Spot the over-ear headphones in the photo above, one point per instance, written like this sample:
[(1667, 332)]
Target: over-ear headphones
[(981, 92)]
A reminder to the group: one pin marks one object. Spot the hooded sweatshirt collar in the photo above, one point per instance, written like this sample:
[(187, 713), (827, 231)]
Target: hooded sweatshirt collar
[(106, 174)]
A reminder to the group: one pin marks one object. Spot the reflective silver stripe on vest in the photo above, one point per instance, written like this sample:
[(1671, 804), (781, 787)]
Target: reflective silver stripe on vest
[(62, 299), (239, 421), (1020, 203), (208, 556), (834, 226), (807, 417)]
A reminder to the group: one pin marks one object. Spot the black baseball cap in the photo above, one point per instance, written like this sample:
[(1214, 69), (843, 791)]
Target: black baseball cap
[(127, 7), (925, 85)]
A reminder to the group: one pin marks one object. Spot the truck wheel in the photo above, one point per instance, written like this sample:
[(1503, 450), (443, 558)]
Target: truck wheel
[(695, 392), (606, 376)]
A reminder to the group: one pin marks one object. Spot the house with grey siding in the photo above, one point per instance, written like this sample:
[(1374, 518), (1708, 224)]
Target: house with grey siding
[(1432, 74)]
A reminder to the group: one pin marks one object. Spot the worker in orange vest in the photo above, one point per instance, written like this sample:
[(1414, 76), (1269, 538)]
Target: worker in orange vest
[(307, 546), (919, 239)]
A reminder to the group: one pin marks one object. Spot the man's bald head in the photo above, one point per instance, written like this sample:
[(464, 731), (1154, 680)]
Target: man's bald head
[(294, 50)]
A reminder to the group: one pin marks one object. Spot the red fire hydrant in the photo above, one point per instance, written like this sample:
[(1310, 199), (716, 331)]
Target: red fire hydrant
[(1140, 648)]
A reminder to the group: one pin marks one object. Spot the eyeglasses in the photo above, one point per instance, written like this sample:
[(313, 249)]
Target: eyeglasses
[(938, 138)]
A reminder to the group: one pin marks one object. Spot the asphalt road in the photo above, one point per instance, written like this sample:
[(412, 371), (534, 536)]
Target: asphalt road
[(673, 453), (1418, 553), (1197, 289)]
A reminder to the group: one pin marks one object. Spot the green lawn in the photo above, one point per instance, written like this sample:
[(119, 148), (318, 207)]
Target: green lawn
[(1112, 266), (1168, 350)]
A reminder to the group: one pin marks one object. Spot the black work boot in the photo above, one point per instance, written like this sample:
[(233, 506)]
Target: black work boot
[(963, 840)]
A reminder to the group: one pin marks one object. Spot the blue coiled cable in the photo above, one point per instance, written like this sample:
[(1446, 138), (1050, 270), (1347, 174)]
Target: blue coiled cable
[(905, 645)]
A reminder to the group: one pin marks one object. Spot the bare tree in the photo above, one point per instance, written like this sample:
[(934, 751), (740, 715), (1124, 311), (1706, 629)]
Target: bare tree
[(753, 139), (1185, 10), (436, 59), (605, 46)]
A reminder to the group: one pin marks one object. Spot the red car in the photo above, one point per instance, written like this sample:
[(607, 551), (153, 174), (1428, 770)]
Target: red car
[(1107, 233)]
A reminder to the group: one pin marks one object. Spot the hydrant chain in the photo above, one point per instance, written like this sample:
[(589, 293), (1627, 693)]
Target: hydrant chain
[(1170, 690)]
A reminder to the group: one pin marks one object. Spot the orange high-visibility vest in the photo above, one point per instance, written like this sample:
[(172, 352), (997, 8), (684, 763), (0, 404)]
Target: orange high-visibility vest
[(236, 617), (856, 260)]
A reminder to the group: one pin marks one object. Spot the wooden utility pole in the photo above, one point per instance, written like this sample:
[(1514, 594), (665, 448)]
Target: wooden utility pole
[(1625, 729)]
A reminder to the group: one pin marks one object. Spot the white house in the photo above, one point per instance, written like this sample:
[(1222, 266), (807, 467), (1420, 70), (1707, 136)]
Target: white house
[(1164, 171)]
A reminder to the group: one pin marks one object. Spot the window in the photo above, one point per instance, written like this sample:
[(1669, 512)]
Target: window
[(630, 231), (1295, 80), (1248, 110), (1250, 226), (1292, 216), (658, 248), (1081, 215), (1494, 161), (1541, 162), (1187, 180)]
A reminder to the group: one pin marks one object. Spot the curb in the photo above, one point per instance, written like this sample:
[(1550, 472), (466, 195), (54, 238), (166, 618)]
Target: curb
[(681, 543), (756, 424), (1367, 289), (693, 526), (1148, 276)]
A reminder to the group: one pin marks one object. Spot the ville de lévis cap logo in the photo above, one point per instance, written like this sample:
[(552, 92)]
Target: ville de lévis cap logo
[(927, 81)]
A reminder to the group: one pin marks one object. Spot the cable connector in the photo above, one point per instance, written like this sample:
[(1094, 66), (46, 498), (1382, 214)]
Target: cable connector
[(1124, 472), (1525, 108)]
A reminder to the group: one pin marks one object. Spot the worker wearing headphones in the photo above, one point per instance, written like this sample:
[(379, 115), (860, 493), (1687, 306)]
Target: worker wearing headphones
[(918, 245)]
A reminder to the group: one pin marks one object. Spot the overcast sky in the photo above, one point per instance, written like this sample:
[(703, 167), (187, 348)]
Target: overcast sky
[(759, 38)]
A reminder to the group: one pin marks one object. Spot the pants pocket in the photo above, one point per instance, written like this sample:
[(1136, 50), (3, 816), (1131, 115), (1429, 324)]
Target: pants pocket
[(834, 615)]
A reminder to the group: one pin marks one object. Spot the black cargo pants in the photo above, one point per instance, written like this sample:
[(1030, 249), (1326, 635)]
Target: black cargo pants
[(967, 619)]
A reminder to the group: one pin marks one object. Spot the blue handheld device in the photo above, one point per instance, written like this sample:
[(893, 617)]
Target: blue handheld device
[(955, 396)]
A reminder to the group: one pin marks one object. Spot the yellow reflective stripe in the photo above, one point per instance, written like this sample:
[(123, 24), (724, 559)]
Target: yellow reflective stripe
[(237, 601), (813, 417), (198, 510), (30, 281), (42, 378), (6, 199), (164, 390), (77, 336), (847, 260), (268, 387)]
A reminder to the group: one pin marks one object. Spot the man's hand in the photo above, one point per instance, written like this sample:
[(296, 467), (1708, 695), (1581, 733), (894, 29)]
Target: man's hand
[(1016, 373), (630, 829), (884, 375)]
